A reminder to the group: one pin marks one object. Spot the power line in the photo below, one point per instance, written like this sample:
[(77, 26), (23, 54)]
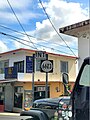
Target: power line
[(19, 22), (30, 35), (55, 28), (14, 30), (15, 38)]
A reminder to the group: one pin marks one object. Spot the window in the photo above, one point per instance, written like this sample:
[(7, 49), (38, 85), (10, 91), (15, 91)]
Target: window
[(20, 66), (3, 65), (39, 92), (85, 77), (64, 66), (38, 61), (18, 96)]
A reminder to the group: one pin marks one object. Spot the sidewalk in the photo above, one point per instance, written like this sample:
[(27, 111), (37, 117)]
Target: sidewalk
[(9, 114)]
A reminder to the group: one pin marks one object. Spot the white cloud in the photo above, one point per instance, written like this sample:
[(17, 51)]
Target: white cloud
[(23, 17), (3, 47), (61, 13), (21, 9), (21, 4), (68, 12), (25, 42)]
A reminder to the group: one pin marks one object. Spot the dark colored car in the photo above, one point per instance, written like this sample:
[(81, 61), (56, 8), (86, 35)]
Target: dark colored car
[(54, 107), (49, 109), (81, 93), (51, 103)]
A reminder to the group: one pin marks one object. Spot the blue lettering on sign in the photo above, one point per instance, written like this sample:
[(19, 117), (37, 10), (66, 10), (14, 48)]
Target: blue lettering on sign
[(29, 64)]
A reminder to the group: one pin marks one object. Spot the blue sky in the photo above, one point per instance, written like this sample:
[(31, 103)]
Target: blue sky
[(35, 23)]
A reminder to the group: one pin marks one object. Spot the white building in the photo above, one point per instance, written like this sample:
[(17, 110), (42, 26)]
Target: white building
[(16, 78), (80, 30)]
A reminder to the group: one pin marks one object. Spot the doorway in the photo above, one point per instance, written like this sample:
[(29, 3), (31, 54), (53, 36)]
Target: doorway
[(39, 92)]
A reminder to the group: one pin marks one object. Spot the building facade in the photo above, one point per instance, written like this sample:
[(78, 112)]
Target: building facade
[(16, 76)]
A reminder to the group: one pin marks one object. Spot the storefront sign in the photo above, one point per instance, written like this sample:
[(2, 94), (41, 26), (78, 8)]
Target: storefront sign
[(29, 64), (11, 72)]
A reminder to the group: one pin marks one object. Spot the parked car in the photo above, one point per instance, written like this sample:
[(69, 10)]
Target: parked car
[(52, 108), (51, 103)]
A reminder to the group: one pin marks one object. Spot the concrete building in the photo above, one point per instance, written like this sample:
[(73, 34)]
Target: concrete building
[(81, 30), (16, 76)]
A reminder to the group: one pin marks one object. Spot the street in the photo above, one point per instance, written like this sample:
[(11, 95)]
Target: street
[(9, 116), (2, 117)]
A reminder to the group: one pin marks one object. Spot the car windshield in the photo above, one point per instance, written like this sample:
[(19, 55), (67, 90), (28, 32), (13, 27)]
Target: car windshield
[(85, 77)]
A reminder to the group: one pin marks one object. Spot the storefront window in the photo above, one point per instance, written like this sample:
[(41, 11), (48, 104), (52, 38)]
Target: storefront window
[(18, 97), (39, 92)]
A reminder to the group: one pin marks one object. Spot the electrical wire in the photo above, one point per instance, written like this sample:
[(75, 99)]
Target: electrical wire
[(55, 28), (19, 22), (15, 38), (31, 36), (14, 30)]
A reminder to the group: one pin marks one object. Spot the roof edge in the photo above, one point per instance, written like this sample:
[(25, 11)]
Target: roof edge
[(29, 50), (74, 26)]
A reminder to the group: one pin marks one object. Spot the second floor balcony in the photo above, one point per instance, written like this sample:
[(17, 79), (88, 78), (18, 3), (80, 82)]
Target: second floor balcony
[(11, 73)]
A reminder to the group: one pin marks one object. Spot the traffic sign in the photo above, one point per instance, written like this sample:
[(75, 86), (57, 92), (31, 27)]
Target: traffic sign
[(46, 66), (40, 55)]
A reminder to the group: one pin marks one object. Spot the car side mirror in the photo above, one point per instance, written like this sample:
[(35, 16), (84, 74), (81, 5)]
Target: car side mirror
[(65, 78)]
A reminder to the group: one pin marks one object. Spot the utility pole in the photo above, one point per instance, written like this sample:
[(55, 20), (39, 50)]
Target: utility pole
[(33, 77), (46, 87)]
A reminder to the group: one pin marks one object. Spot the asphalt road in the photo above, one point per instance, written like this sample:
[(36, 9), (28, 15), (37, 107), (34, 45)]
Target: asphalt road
[(2, 117)]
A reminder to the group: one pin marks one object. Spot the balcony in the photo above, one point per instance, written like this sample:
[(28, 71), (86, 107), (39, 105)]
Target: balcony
[(20, 77), (12, 74)]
